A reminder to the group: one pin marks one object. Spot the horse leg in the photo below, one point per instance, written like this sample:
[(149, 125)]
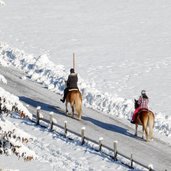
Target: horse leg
[(146, 132), (79, 116), (145, 128), (136, 128), (143, 132), (66, 105), (78, 106), (151, 125), (72, 110)]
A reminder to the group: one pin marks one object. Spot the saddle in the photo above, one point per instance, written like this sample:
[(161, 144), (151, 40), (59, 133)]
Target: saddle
[(143, 109), (73, 89)]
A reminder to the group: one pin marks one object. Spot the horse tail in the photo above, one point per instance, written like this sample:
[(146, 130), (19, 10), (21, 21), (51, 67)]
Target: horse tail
[(78, 104), (151, 123)]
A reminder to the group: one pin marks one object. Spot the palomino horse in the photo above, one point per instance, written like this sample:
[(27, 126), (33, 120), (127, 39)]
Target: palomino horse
[(145, 118), (75, 99)]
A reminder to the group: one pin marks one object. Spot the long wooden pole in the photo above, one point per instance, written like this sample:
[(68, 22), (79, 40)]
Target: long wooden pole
[(74, 61)]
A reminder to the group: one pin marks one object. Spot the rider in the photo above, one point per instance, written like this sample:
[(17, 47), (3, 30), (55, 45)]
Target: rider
[(143, 104), (71, 83)]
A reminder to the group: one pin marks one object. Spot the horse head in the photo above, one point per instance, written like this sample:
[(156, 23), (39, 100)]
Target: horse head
[(136, 105)]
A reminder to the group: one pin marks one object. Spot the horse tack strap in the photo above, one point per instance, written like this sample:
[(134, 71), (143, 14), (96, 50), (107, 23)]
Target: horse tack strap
[(73, 89), (143, 109)]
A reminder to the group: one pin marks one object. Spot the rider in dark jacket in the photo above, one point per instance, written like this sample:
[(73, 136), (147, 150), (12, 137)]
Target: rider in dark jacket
[(71, 83)]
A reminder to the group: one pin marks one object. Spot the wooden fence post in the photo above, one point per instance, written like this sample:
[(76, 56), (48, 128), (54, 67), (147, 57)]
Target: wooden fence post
[(131, 161), (38, 115), (115, 149), (82, 135), (74, 61), (150, 166), (51, 121), (100, 143), (65, 127)]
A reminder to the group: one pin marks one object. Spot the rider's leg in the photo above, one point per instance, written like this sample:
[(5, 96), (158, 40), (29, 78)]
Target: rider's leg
[(134, 115), (65, 94)]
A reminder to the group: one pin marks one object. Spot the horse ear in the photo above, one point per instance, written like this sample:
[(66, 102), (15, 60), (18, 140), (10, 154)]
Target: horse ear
[(135, 100)]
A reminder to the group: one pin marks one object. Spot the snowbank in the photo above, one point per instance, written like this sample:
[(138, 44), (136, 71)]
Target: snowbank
[(42, 70), (15, 140), (2, 3), (3, 79), (9, 100)]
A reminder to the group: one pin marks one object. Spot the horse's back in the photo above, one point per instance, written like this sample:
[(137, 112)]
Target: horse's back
[(74, 95), (142, 117), (145, 116)]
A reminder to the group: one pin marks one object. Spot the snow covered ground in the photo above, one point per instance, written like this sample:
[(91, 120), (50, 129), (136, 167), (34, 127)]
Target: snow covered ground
[(121, 48)]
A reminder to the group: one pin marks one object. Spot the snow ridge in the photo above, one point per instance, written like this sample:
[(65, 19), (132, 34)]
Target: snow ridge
[(5, 100), (52, 76)]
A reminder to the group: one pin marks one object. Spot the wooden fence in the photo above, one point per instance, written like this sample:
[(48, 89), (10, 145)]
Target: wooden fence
[(52, 121)]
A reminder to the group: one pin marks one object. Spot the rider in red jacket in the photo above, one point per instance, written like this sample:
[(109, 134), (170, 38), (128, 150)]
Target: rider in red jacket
[(143, 104)]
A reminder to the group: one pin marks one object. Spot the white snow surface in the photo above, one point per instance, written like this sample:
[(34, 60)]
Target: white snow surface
[(42, 70), (2, 3)]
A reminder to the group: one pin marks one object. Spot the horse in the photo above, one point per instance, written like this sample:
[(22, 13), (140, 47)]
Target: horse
[(74, 97), (145, 118)]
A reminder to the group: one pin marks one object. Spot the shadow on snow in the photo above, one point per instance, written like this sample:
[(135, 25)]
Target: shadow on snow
[(57, 110)]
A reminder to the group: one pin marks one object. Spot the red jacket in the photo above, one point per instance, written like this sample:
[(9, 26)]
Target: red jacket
[(143, 102)]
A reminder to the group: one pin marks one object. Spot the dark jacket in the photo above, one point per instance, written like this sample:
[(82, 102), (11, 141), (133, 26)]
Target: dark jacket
[(72, 81)]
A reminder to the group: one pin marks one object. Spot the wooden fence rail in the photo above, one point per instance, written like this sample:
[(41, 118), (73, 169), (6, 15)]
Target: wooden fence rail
[(99, 143)]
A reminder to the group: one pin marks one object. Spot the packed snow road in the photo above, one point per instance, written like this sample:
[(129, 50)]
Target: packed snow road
[(97, 125)]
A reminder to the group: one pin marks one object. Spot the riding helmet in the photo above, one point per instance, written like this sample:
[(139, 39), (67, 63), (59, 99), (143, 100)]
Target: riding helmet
[(143, 92), (72, 70)]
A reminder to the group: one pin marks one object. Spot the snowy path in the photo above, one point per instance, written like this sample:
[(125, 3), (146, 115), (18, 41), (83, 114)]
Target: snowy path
[(97, 125)]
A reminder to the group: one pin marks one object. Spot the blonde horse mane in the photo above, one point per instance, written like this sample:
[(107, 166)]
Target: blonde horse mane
[(74, 97)]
